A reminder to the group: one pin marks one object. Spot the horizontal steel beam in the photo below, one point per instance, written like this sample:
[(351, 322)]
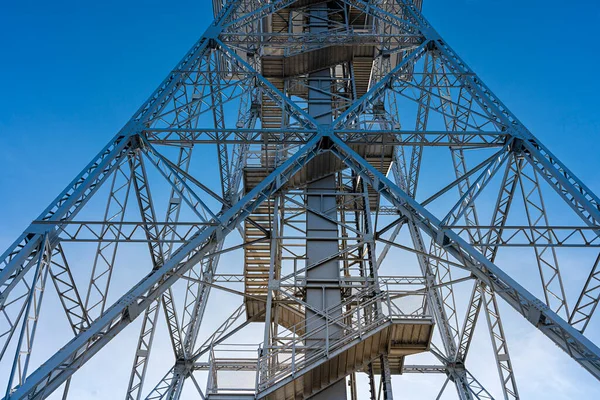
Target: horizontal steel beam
[(78, 351), (189, 137), (577, 346)]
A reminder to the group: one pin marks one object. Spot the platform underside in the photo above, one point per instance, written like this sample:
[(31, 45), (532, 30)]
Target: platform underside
[(395, 338)]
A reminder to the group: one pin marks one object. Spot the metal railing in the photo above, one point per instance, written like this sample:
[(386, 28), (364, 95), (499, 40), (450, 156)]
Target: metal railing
[(329, 332), (232, 369)]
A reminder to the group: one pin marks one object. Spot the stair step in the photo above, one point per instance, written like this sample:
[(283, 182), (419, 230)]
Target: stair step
[(406, 336)]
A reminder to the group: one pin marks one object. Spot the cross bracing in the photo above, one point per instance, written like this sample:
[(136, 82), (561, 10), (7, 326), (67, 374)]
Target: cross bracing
[(342, 173)]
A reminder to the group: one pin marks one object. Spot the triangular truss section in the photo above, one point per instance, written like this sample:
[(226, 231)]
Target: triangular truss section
[(342, 173)]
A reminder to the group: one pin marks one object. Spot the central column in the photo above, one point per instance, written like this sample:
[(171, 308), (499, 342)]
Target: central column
[(322, 282)]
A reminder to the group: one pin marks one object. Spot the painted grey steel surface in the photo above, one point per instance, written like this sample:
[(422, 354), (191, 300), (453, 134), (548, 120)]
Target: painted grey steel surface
[(319, 116)]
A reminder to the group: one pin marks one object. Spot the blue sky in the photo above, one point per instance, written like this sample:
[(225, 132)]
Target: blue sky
[(74, 72)]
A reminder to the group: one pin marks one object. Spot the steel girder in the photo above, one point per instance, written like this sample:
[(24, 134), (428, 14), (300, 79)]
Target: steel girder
[(481, 293), (62, 365), (198, 288), (588, 299), (158, 252), (540, 315), (476, 120)]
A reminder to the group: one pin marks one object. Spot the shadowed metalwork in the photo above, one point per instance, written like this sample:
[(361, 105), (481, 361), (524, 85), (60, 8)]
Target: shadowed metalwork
[(338, 168)]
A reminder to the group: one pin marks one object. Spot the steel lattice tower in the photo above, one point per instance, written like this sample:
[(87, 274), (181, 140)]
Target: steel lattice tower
[(319, 117)]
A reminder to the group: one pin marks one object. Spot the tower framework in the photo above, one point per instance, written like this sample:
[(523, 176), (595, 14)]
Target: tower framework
[(369, 194)]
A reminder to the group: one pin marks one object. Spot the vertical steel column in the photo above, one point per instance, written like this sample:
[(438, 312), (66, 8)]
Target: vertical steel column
[(322, 291), (272, 267)]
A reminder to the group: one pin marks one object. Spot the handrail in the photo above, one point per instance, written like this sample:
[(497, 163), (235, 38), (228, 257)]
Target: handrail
[(349, 320)]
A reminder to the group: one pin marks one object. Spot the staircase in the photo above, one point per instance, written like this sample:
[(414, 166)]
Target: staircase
[(277, 68), (368, 327), (362, 67)]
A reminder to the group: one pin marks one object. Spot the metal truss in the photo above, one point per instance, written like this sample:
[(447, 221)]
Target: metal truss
[(158, 253), (344, 158), (588, 299), (524, 302), (457, 118)]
